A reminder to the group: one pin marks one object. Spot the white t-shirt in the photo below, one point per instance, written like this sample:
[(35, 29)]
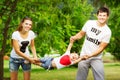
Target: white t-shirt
[(23, 43), (94, 36), (63, 60)]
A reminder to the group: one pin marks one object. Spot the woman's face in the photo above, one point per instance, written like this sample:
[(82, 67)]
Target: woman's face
[(27, 24)]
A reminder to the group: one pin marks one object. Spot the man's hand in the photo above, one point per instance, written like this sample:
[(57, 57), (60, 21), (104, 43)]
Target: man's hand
[(72, 39), (86, 57)]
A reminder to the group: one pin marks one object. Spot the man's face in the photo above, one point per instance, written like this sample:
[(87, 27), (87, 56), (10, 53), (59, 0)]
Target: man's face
[(102, 17)]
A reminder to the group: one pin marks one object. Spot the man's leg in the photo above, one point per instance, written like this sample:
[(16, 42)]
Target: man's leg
[(83, 68), (97, 69), (26, 75)]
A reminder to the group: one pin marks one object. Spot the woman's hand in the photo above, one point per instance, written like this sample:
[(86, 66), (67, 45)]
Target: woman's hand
[(33, 60)]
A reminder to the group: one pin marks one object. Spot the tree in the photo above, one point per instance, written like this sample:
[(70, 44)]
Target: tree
[(54, 21), (11, 5)]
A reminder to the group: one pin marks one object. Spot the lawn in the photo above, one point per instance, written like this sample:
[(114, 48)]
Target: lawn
[(112, 72)]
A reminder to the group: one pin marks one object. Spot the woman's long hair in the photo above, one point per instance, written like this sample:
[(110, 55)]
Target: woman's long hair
[(20, 25)]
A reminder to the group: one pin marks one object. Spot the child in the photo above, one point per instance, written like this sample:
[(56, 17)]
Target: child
[(65, 60)]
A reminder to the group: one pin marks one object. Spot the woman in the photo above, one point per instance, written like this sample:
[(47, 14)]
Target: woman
[(21, 39)]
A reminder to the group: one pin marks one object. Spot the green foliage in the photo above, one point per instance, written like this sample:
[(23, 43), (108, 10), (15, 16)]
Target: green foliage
[(58, 23), (114, 24), (112, 4), (6, 9), (54, 21)]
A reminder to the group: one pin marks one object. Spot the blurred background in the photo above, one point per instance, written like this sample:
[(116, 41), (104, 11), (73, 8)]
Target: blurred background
[(54, 21)]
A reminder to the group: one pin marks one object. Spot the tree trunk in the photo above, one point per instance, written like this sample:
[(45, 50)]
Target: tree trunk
[(1, 66), (5, 33)]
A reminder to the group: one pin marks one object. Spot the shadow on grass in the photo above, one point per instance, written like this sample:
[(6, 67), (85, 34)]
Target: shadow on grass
[(6, 78)]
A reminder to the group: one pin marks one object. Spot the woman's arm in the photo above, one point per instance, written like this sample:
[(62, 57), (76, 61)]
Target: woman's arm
[(33, 49), (17, 50)]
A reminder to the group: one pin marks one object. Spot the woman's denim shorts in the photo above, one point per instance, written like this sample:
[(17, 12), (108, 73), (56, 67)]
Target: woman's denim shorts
[(15, 63)]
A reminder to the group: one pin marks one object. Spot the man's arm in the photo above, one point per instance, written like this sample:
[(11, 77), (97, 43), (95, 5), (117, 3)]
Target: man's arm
[(102, 46), (33, 49), (78, 36), (73, 38)]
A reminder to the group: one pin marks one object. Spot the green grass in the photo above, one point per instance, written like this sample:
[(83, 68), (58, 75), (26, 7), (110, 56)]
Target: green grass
[(112, 72)]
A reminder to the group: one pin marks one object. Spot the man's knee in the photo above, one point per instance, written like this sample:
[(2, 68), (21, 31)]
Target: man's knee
[(82, 65)]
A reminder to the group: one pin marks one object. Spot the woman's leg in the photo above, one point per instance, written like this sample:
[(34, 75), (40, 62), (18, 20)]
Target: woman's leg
[(26, 75), (13, 67), (26, 70), (13, 75)]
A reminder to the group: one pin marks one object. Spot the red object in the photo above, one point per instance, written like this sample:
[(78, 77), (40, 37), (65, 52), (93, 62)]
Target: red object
[(65, 60)]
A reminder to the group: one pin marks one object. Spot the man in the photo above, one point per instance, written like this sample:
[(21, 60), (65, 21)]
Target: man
[(97, 36)]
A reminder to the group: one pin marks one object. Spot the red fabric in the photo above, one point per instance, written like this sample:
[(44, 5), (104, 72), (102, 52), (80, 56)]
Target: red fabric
[(65, 60)]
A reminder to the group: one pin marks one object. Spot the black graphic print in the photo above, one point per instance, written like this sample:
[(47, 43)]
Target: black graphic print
[(95, 41), (24, 45), (96, 31)]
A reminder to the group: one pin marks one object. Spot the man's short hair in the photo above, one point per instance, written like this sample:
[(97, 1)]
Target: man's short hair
[(103, 9)]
